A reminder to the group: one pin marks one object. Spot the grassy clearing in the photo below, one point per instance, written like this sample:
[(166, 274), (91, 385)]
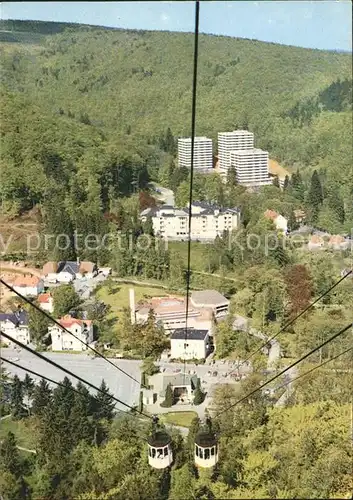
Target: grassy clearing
[(22, 430), (119, 298), (182, 418), (198, 253)]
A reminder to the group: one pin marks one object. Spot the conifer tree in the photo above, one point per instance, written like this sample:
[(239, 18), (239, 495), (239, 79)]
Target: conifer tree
[(82, 408), (286, 183), (17, 407), (28, 386), (199, 395), (41, 397), (9, 455), (103, 404), (169, 397), (232, 177), (315, 196)]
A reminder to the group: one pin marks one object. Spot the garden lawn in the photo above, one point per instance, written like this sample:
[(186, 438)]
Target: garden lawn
[(182, 418)]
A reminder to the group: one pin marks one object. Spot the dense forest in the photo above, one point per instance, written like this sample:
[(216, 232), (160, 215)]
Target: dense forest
[(94, 103), (81, 447)]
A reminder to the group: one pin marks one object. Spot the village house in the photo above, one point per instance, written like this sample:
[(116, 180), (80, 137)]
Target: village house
[(46, 302), (28, 285), (337, 242), (63, 341), (279, 221), (16, 326), (194, 345), (183, 386), (316, 242), (67, 271), (300, 216)]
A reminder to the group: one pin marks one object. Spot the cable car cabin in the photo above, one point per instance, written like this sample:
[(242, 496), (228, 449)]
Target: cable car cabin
[(160, 453), (206, 450)]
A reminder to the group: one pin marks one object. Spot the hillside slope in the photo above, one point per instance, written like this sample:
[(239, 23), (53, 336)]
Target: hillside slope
[(139, 83)]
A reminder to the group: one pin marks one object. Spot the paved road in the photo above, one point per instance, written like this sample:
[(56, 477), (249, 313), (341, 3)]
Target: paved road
[(164, 194), (288, 390)]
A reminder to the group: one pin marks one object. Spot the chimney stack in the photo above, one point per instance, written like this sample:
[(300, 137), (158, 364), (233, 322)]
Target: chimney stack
[(132, 305)]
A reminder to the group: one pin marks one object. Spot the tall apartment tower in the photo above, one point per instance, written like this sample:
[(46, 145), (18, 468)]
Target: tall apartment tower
[(203, 158), (251, 167), (232, 141)]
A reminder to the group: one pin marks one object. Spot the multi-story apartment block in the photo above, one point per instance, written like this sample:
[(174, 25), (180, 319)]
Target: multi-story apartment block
[(63, 341), (203, 156), (232, 141), (251, 167), (16, 326), (207, 221)]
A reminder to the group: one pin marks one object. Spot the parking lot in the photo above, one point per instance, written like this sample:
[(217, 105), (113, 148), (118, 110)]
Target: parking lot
[(92, 370)]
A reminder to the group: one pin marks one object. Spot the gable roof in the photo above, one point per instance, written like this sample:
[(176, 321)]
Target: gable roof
[(68, 266), (18, 318), (27, 280), (87, 267), (160, 381), (50, 267), (336, 240), (315, 239), (44, 298), (67, 321), (271, 214), (191, 334)]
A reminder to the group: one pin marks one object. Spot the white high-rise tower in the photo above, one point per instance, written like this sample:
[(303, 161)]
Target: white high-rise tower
[(203, 157), (232, 141)]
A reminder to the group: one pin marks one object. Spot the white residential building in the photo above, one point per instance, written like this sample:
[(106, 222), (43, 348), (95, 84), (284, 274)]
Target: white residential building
[(203, 155), (279, 221), (16, 326), (251, 166), (195, 346), (232, 141), (207, 221), (63, 341), (46, 302), (28, 286)]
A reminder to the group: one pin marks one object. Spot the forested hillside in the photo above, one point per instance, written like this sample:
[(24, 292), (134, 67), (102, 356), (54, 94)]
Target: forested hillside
[(138, 83)]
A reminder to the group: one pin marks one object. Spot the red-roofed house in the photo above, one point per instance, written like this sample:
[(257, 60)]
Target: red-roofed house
[(338, 242), (63, 341), (316, 242), (46, 302), (28, 285), (279, 221)]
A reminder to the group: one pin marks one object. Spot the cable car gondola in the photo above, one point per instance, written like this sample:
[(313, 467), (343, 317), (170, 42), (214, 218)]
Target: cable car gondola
[(206, 447), (160, 455)]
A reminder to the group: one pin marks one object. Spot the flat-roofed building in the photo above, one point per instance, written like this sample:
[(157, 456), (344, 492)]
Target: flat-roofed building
[(210, 300), (170, 312), (251, 167), (203, 155), (232, 141)]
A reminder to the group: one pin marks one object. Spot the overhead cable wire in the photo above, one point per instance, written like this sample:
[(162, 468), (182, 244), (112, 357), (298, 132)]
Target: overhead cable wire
[(68, 372), (315, 368), (193, 130), (285, 370), (289, 323), (48, 379), (53, 320)]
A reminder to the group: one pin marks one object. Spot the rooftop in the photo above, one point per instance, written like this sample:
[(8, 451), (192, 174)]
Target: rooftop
[(44, 298), (271, 214), (189, 334), (28, 280), (188, 139), (160, 381), (19, 317), (236, 132), (245, 152), (67, 321), (208, 297)]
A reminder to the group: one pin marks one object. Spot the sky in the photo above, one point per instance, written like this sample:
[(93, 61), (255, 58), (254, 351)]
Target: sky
[(315, 24)]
